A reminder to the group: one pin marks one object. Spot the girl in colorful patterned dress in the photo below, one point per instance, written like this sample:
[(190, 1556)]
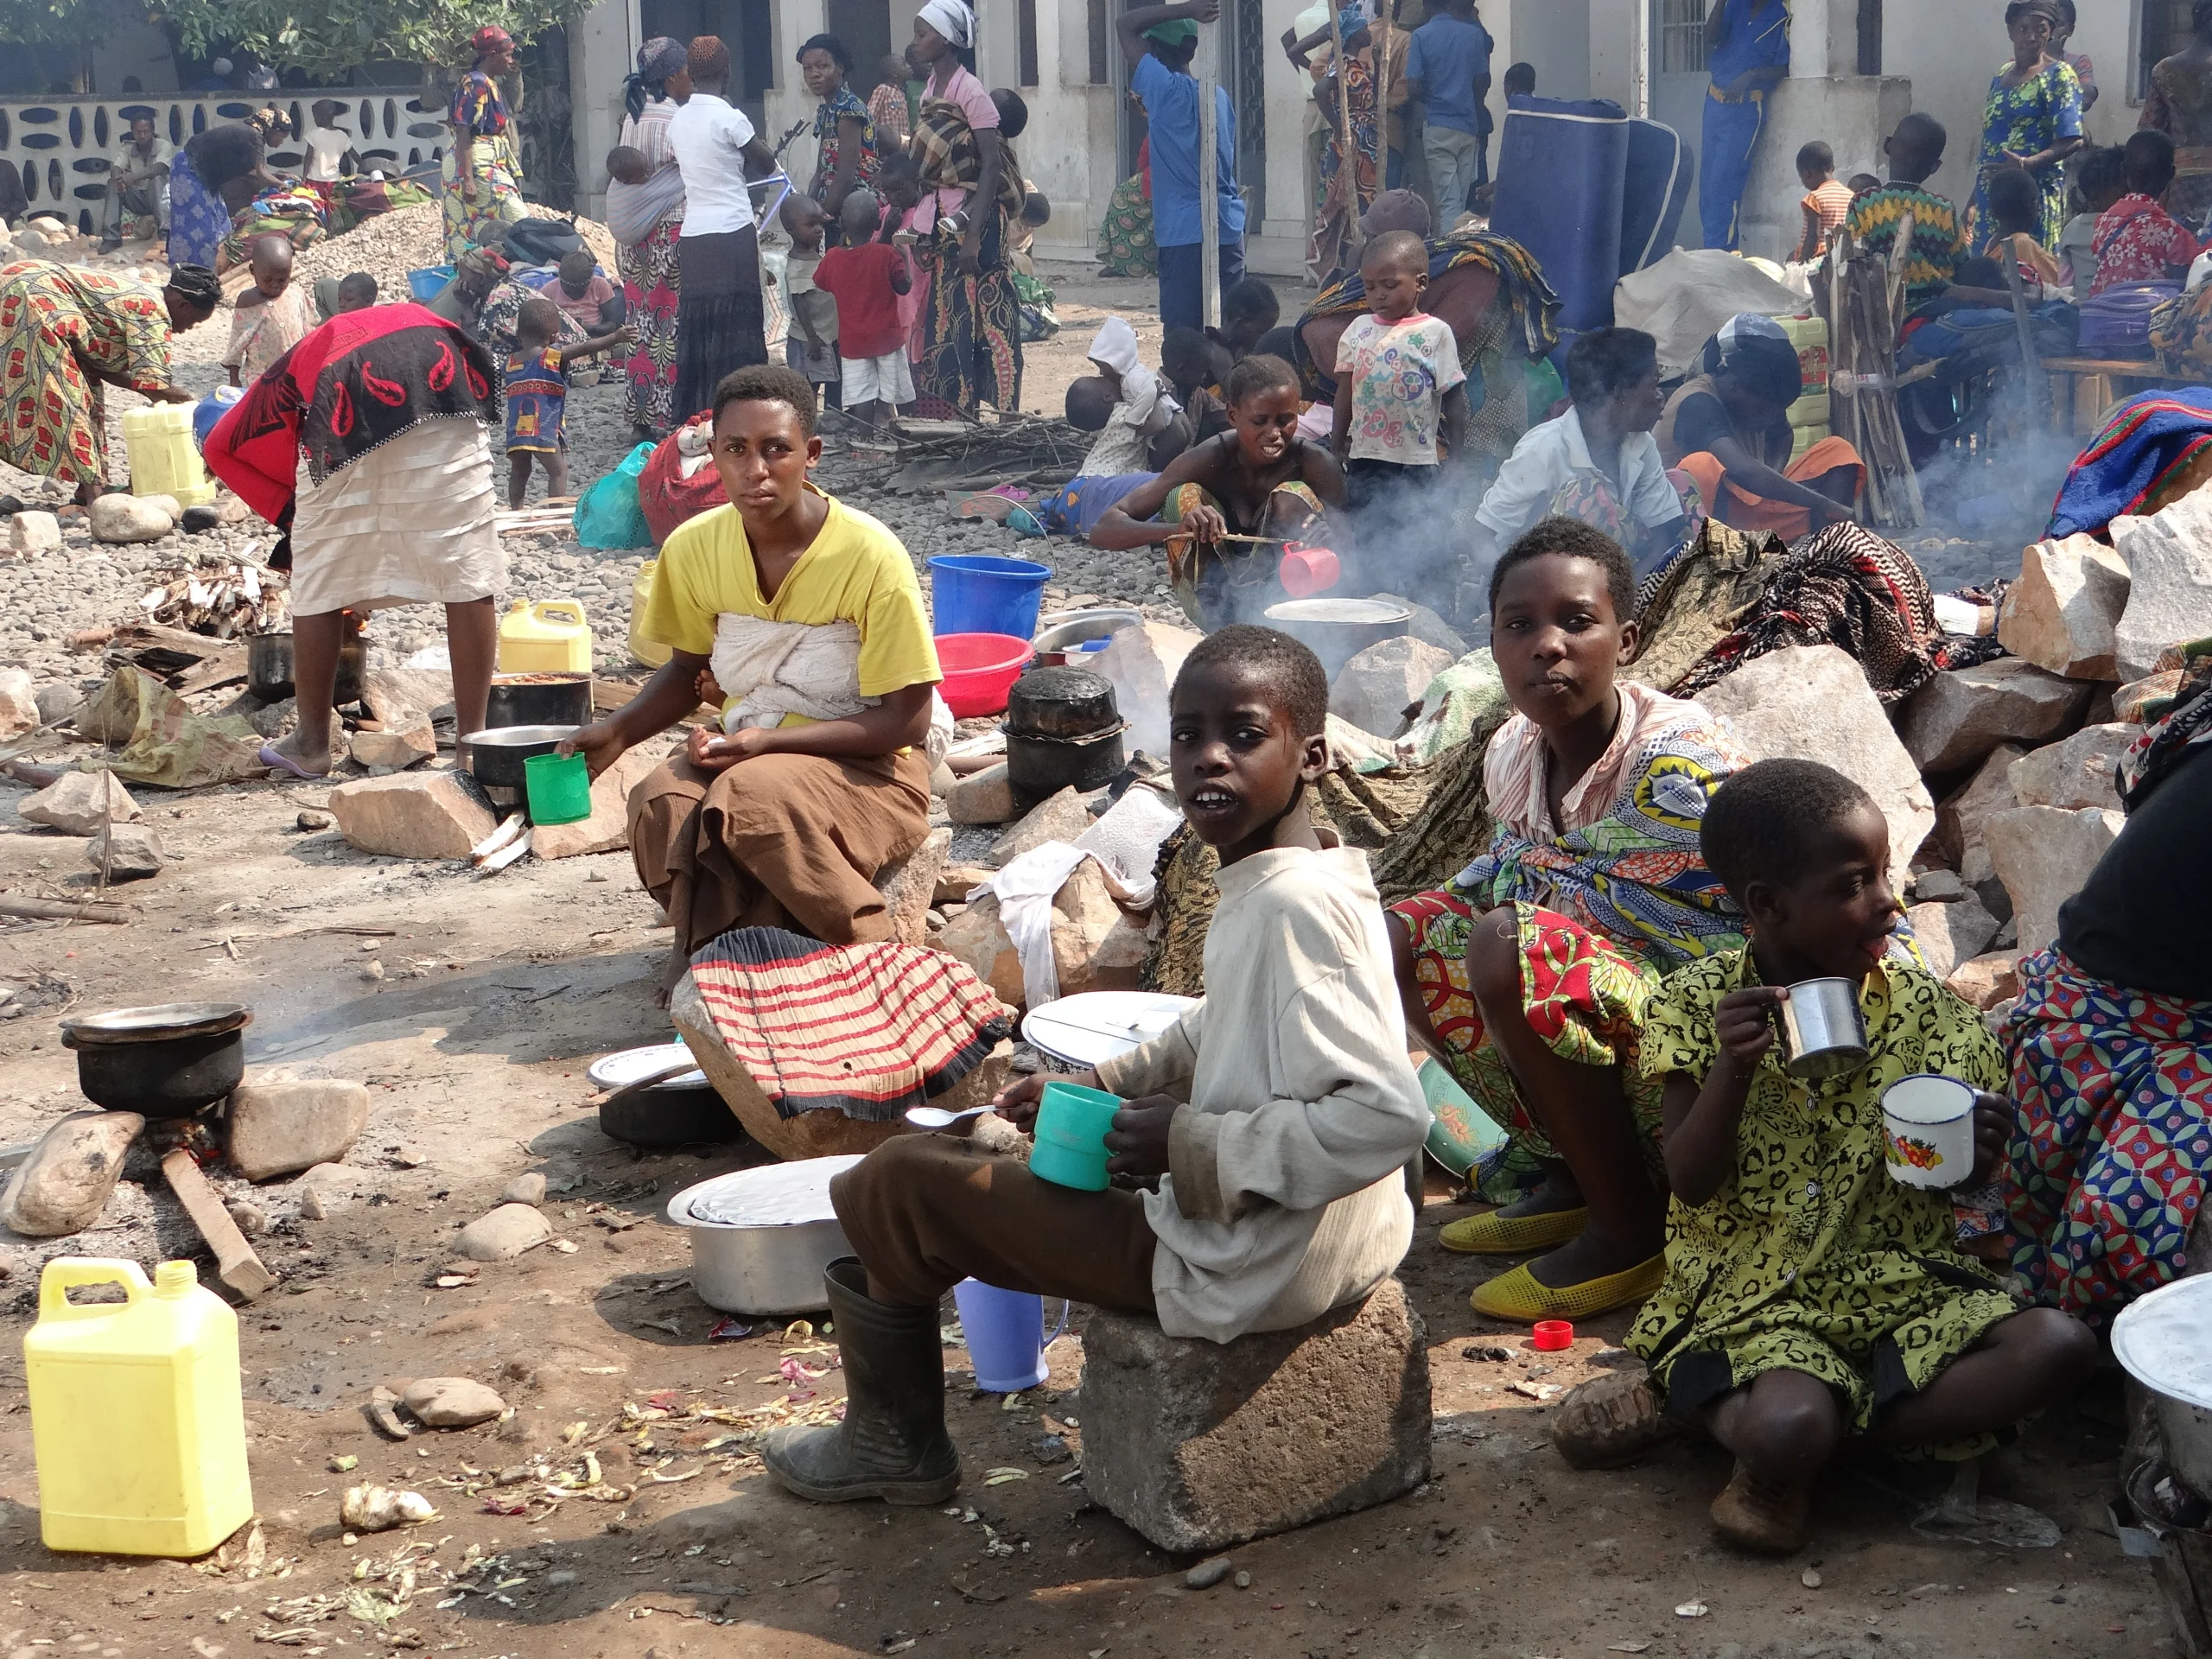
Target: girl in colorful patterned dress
[(1528, 973), (537, 395), (1809, 1294), (846, 157)]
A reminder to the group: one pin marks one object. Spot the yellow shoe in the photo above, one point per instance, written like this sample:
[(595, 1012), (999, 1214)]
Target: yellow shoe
[(1499, 1234), (1519, 1295)]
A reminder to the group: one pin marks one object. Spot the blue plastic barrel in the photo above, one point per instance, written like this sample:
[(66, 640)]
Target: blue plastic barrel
[(429, 281), (977, 593), (211, 409), (1562, 169)]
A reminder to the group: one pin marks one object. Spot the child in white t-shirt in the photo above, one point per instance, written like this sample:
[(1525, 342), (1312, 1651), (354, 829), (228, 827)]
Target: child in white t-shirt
[(1401, 399)]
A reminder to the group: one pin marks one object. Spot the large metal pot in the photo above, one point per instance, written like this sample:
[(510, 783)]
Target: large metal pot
[(556, 699), (167, 1061), (1337, 630), (761, 1237), (268, 668), (496, 756), (2163, 1340), (1063, 731)]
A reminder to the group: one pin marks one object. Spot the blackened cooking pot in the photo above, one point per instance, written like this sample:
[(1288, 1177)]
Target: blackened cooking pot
[(167, 1061), (550, 699), (268, 668), (1063, 731)]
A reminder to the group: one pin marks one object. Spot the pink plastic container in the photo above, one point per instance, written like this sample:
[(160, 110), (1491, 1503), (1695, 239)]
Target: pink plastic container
[(980, 669), (1305, 571)]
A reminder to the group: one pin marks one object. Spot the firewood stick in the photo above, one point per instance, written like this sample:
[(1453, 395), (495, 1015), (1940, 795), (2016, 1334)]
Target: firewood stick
[(236, 1264)]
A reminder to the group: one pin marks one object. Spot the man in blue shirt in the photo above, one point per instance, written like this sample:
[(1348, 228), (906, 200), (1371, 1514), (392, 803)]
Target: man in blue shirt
[(1448, 70), (1158, 43), (1747, 52)]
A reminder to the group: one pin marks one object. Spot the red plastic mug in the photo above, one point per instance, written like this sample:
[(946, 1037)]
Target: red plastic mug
[(1305, 571)]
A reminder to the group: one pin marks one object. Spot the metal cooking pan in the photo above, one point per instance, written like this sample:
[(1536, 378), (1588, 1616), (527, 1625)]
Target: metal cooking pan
[(760, 1237), (496, 756)]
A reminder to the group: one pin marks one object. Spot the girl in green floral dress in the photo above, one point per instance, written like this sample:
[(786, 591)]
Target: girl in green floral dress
[(1809, 1294)]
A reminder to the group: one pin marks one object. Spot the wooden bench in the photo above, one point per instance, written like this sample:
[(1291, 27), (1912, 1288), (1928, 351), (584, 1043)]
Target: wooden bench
[(2083, 388)]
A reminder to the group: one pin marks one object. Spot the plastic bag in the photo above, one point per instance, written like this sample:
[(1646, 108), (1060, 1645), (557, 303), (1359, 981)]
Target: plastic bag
[(672, 495), (607, 514)]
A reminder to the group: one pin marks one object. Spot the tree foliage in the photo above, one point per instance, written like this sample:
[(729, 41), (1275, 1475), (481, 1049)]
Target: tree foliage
[(74, 24), (328, 37)]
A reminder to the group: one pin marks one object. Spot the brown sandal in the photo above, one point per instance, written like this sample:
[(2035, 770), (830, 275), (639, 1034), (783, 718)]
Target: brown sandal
[(1611, 1421), (1753, 1519)]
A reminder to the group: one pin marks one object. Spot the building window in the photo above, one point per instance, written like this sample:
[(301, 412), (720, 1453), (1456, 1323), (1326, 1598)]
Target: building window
[(2162, 27), (1869, 37), (1025, 31), (1681, 37), (1101, 64)]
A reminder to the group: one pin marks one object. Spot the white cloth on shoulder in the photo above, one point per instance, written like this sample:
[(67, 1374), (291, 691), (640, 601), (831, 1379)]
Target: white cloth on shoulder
[(768, 671)]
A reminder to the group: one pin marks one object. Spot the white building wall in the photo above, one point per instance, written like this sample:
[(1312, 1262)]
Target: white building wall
[(602, 49)]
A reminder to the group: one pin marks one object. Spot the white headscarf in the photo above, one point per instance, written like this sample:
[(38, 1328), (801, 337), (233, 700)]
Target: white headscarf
[(952, 18), (1149, 404)]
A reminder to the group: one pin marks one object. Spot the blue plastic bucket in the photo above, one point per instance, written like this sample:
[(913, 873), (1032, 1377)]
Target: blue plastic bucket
[(426, 284), (1006, 1335), (977, 593)]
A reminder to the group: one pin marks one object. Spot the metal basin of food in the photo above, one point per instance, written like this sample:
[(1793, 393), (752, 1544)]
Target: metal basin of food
[(760, 1237), (167, 1061), (496, 756), (1340, 629), (1060, 633), (551, 699)]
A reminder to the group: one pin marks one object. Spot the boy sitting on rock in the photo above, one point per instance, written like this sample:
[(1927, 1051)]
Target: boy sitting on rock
[(1275, 1120)]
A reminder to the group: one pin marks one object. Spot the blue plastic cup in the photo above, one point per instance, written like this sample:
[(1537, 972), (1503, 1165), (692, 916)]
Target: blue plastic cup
[(1006, 1335), (978, 593), (1071, 1125)]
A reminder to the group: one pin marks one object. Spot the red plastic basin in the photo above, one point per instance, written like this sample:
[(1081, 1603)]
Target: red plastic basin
[(980, 669)]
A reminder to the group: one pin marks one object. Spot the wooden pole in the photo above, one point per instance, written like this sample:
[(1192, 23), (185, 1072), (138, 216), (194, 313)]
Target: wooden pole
[(1382, 94), (1348, 153), (1208, 68)]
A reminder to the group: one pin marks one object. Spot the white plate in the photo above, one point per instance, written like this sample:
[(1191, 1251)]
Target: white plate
[(770, 1195), (2164, 1341), (1101, 1025), (619, 1070)]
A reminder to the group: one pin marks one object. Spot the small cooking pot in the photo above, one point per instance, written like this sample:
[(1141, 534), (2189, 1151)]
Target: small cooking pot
[(167, 1061), (1063, 731), (1337, 630), (760, 1237), (1061, 634), (268, 668), (496, 755), (552, 699), (1823, 1034)]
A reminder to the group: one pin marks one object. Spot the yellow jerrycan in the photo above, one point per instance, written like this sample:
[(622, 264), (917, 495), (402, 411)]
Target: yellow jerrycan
[(651, 653), (550, 637), (137, 1422), (164, 459)]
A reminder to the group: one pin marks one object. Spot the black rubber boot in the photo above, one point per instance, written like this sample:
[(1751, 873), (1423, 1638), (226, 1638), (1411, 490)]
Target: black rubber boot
[(892, 1444)]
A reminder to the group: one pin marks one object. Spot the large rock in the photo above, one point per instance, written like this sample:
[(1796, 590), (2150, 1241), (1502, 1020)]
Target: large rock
[(1950, 933), (1988, 980), (2170, 596), (18, 704), (81, 803), (2043, 854), (1427, 626), (2063, 612), (451, 1402), (2077, 773), (1094, 946), (607, 829), (504, 1233), (1813, 702), (985, 797), (1056, 817), (64, 1184), (407, 739), (2132, 702), (125, 852), (1377, 686), (117, 517), (280, 1125), (1199, 1444), (1957, 718), (909, 886), (823, 1133), (1966, 811), (412, 815), (33, 533)]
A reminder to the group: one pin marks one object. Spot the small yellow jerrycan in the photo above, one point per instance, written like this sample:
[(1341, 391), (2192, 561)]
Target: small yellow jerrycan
[(651, 653), (550, 637), (164, 457), (137, 1422)]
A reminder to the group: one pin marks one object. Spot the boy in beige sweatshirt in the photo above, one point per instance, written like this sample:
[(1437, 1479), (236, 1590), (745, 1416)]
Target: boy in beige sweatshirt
[(1276, 1117)]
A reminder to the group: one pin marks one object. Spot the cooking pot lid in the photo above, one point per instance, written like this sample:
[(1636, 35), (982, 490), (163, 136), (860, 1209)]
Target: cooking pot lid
[(773, 1195), (1360, 612), (160, 1023), (618, 1070), (1048, 685), (2164, 1341), (518, 737), (1095, 1026)]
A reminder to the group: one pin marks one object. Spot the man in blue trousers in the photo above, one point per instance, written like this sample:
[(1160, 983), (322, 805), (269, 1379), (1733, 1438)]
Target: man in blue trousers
[(1747, 51)]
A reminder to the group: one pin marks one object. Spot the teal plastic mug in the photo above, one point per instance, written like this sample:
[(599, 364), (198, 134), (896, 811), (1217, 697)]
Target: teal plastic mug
[(1071, 1125)]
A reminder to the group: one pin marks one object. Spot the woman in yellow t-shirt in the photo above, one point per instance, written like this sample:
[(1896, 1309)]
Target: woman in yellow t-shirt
[(808, 617)]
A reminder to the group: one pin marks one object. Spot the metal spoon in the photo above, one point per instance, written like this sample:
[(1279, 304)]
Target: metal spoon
[(936, 1117)]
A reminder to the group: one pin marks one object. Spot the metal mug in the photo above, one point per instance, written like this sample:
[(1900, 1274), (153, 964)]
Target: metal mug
[(1823, 1034)]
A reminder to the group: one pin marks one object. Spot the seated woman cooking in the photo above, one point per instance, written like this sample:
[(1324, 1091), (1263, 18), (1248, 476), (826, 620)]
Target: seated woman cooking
[(1260, 480), (811, 619), (1728, 427), (1528, 974)]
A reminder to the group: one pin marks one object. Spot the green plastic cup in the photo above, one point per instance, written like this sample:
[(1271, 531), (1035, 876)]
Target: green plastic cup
[(1071, 1125), (558, 787)]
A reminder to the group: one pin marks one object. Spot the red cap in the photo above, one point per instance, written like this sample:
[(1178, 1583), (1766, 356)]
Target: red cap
[(1554, 1336)]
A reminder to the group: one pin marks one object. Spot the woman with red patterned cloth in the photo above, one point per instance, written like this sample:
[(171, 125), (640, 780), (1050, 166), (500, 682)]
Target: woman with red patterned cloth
[(389, 409)]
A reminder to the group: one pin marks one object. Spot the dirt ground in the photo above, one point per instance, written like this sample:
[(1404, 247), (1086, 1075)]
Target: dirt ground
[(617, 1515)]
